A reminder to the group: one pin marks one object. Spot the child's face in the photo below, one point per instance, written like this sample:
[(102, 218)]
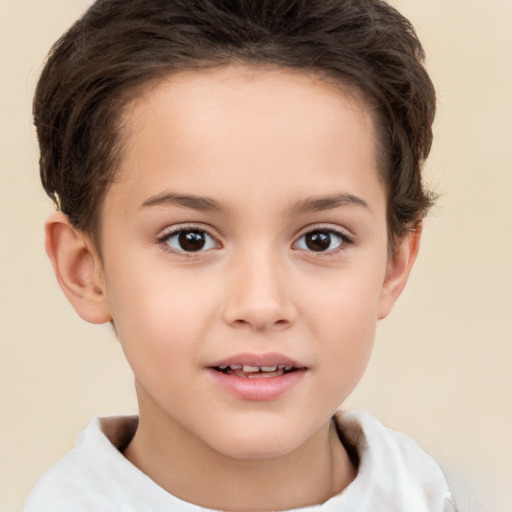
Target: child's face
[(247, 227)]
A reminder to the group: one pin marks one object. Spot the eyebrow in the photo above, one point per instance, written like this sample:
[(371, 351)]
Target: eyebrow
[(307, 205), (185, 200), (323, 203)]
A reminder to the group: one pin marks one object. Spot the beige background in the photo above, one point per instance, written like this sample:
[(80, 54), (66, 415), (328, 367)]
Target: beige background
[(442, 367)]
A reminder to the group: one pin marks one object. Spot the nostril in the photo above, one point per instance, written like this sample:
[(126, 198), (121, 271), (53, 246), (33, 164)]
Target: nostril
[(241, 322), (261, 323), (258, 314)]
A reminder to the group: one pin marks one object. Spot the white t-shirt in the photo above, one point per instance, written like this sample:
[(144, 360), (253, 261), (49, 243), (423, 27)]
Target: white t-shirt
[(394, 474)]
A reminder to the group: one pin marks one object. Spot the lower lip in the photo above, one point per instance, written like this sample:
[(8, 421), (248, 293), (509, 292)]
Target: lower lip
[(257, 388)]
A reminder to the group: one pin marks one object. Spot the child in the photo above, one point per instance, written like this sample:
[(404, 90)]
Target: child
[(239, 194)]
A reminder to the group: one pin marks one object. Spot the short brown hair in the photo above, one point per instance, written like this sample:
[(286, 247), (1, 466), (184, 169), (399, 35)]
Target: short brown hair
[(119, 45)]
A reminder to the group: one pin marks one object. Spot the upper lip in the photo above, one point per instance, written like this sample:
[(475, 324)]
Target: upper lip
[(261, 360)]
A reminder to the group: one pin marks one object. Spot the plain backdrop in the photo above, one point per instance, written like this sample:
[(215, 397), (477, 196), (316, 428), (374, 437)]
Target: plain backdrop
[(442, 366)]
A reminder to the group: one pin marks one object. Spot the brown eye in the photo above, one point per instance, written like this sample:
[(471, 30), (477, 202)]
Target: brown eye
[(320, 240), (190, 240)]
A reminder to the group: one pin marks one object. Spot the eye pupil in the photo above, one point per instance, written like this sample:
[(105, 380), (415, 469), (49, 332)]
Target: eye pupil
[(318, 241), (192, 240)]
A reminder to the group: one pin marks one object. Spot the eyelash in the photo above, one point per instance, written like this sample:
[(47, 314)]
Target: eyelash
[(344, 240), (163, 240), (342, 236)]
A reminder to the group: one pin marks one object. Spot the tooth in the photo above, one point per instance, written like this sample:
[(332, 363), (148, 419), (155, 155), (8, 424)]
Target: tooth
[(287, 368), (235, 366), (223, 367), (251, 369), (269, 368), (281, 367)]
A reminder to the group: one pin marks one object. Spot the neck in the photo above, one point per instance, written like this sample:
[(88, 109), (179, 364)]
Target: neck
[(192, 471)]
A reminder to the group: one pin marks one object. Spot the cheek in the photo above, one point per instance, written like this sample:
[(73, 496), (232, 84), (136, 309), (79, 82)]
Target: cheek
[(346, 316), (159, 314), (348, 346), (347, 300), (349, 334)]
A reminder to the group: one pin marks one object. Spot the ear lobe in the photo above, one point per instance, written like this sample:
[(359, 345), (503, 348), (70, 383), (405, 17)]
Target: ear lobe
[(78, 269), (399, 268)]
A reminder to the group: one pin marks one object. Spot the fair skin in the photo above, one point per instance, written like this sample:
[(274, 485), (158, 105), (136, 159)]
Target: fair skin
[(247, 225)]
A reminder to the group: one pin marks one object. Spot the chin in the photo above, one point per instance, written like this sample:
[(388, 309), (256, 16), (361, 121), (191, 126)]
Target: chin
[(258, 442), (262, 449)]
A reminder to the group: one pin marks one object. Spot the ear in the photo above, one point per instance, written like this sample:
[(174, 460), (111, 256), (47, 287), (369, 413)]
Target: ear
[(399, 268), (78, 269)]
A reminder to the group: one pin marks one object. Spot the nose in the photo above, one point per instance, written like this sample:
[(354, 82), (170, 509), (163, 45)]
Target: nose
[(259, 295)]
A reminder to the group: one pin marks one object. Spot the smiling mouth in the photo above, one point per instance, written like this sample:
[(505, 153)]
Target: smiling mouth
[(251, 372)]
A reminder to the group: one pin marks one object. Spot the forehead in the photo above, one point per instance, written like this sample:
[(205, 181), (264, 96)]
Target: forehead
[(246, 125)]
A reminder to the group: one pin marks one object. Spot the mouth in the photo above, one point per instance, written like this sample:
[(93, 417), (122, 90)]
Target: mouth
[(250, 372), (259, 377)]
